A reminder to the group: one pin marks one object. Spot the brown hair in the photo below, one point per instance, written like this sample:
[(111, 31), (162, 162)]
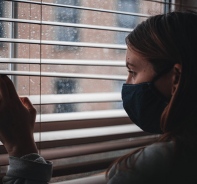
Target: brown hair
[(164, 40)]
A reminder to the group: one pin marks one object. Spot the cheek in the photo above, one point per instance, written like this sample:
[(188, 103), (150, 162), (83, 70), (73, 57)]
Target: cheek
[(164, 86)]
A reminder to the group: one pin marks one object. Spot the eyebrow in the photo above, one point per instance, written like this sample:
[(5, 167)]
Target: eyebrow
[(127, 64)]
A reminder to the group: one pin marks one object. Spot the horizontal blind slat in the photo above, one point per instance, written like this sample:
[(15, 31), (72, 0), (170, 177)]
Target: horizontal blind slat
[(63, 62), (64, 75), (79, 141), (86, 132), (88, 180), (86, 115), (74, 98), (82, 123), (64, 43), (88, 149), (177, 5), (96, 148), (82, 8), (85, 26)]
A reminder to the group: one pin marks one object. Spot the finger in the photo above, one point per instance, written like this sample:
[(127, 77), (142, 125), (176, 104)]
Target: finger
[(4, 93), (11, 89)]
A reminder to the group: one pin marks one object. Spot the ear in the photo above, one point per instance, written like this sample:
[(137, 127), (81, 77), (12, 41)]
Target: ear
[(177, 69)]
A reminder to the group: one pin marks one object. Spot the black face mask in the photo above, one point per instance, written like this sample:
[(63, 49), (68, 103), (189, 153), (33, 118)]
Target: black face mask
[(144, 105)]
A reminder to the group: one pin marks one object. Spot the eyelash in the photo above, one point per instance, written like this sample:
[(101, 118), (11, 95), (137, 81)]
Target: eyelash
[(132, 73)]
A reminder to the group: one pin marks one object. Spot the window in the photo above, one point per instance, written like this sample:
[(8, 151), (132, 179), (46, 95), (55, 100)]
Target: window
[(67, 58)]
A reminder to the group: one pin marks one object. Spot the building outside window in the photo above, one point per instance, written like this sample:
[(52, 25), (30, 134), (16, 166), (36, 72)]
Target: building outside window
[(126, 21), (67, 15), (65, 86)]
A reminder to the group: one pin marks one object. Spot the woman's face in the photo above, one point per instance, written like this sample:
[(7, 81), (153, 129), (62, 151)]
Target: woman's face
[(140, 70)]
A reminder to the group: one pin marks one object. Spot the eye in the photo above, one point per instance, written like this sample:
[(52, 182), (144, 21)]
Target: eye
[(132, 73)]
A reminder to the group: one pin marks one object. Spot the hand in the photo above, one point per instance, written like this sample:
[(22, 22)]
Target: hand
[(17, 118)]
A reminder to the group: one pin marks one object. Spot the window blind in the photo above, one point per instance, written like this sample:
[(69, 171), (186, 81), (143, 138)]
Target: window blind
[(68, 57)]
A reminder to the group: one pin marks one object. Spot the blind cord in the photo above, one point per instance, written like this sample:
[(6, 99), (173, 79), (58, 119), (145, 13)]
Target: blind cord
[(40, 125)]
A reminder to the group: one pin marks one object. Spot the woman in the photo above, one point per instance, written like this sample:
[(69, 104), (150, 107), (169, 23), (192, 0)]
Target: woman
[(160, 96)]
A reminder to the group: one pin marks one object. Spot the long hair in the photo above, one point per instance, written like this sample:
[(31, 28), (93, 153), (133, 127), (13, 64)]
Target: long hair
[(164, 40)]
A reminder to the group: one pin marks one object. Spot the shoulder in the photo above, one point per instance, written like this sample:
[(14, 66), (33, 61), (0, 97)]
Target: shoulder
[(156, 157), (150, 162), (156, 151)]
